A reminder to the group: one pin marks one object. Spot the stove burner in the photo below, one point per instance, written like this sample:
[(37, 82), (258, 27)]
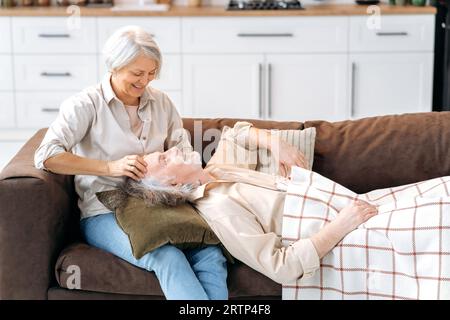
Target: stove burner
[(264, 5)]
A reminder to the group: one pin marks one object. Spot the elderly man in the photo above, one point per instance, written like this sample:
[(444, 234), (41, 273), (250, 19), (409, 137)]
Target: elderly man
[(245, 207)]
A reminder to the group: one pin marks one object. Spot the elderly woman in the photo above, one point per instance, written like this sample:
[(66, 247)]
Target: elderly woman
[(101, 135)]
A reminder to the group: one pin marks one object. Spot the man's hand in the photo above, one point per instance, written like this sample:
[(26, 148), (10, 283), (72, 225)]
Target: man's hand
[(355, 214), (346, 221), (133, 166), (288, 156)]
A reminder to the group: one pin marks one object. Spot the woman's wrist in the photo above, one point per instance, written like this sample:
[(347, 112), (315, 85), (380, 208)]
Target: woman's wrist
[(106, 168)]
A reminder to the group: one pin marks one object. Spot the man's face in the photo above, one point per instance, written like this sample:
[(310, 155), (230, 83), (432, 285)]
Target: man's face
[(170, 167)]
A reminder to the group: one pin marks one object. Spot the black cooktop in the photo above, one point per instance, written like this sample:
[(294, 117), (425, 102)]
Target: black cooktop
[(264, 5)]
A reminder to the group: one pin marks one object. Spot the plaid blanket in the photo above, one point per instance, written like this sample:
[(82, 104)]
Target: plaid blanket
[(401, 253)]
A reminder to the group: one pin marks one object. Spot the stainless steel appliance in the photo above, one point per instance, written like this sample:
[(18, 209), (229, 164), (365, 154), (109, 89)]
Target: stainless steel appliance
[(264, 5)]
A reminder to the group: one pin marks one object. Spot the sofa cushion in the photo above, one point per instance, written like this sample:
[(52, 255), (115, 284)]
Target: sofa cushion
[(381, 152), (149, 228), (101, 271), (303, 140), (205, 133)]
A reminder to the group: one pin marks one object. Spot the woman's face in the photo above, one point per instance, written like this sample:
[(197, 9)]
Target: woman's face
[(172, 168), (131, 80)]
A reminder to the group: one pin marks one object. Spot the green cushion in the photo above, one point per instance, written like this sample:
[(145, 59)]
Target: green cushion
[(151, 227)]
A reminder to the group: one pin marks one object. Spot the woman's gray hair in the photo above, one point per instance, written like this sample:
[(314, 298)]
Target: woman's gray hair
[(154, 193), (126, 44)]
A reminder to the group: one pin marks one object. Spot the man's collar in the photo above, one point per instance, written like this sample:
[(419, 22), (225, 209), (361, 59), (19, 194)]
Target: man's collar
[(198, 192)]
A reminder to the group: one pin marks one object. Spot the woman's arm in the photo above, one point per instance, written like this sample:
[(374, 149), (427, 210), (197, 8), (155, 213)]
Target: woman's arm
[(69, 128), (347, 220), (68, 163), (132, 166)]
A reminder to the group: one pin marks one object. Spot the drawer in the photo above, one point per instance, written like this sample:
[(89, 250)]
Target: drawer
[(6, 74), (7, 118), (166, 31), (68, 72), (170, 73), (262, 34), (396, 33), (38, 109), (5, 35), (53, 35)]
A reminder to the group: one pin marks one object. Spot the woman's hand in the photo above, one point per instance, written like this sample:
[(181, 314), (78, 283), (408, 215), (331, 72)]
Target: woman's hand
[(133, 166), (354, 215), (288, 156)]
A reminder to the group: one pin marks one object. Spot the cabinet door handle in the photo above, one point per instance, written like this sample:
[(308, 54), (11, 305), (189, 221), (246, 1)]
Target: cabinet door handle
[(269, 90), (254, 35), (392, 33), (260, 110), (352, 93), (55, 74), (54, 35), (50, 110)]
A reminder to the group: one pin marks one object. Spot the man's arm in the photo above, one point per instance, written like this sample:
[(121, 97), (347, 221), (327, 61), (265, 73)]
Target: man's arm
[(346, 221)]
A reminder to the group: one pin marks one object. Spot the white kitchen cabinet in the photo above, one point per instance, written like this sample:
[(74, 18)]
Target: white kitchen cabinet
[(264, 34), (222, 86), (6, 72), (267, 68), (165, 30), (7, 110), (280, 68), (5, 35), (175, 97), (306, 87), (391, 83), (7, 151), (55, 72), (396, 33), (53, 35), (37, 110)]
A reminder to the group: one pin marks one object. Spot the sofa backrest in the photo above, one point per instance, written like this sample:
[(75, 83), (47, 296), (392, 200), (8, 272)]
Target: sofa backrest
[(380, 152), (362, 155)]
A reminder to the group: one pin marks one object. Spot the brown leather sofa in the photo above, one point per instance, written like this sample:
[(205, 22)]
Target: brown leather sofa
[(39, 219)]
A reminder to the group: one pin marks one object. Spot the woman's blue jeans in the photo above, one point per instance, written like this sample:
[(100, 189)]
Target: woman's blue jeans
[(194, 274)]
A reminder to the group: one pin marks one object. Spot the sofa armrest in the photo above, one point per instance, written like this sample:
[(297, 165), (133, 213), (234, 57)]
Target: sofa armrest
[(38, 218)]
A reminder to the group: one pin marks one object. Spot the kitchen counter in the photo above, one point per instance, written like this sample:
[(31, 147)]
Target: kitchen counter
[(209, 11)]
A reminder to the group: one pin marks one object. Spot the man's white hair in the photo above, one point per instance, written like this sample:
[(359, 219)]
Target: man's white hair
[(124, 45), (154, 193)]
